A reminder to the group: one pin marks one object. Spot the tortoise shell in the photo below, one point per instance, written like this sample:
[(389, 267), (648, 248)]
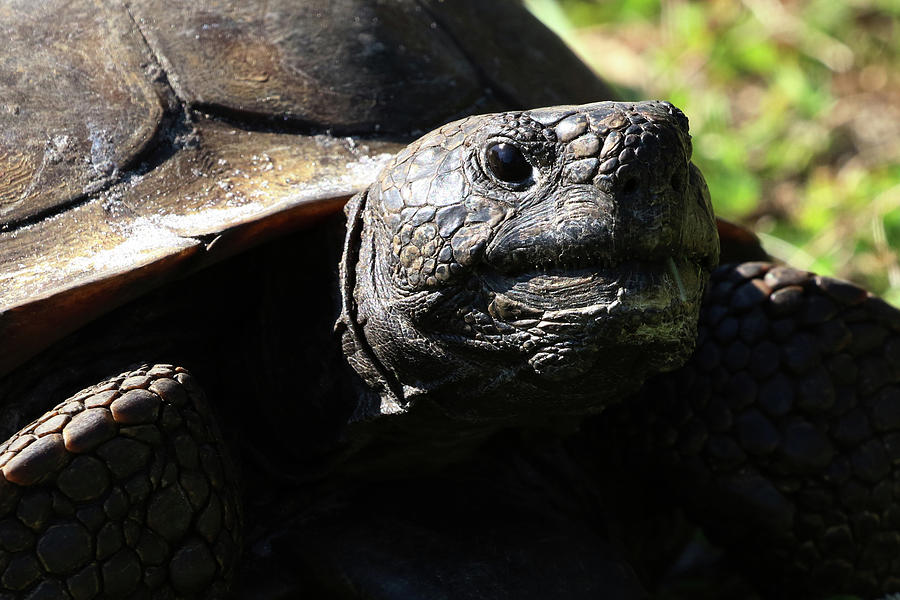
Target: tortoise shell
[(142, 142)]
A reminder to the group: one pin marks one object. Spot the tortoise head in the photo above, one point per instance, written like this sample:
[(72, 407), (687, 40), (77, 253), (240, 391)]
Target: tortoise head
[(515, 265)]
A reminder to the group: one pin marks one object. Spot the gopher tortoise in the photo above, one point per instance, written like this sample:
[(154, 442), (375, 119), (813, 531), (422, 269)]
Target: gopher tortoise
[(511, 369)]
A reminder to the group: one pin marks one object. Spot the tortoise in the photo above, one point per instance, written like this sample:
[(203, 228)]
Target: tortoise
[(510, 352)]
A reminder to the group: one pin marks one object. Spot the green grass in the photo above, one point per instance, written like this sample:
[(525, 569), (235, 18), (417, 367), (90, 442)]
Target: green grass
[(794, 108)]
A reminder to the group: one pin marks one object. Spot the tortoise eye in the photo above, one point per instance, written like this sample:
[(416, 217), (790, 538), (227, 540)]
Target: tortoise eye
[(507, 163)]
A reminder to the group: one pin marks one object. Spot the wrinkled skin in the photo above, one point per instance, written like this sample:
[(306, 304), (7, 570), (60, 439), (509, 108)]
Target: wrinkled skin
[(549, 284)]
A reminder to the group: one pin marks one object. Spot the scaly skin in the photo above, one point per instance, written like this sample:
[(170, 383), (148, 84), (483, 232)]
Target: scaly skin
[(781, 435), (498, 299), (123, 489), (504, 271), (506, 301)]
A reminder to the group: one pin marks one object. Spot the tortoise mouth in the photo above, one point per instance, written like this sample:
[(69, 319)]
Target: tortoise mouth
[(564, 294), (576, 319)]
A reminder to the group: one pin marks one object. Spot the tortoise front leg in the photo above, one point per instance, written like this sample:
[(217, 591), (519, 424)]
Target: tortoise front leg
[(122, 491), (782, 434)]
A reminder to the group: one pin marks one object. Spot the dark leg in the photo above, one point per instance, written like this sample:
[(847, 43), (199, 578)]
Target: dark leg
[(782, 435), (122, 491)]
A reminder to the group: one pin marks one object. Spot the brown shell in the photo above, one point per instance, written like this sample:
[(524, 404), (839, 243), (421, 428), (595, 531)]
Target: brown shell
[(738, 244), (143, 141)]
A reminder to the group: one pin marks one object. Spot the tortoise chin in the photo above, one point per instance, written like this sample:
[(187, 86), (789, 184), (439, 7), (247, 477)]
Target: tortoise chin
[(511, 266)]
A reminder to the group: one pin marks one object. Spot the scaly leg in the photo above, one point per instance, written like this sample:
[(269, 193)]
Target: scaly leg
[(781, 436), (124, 490)]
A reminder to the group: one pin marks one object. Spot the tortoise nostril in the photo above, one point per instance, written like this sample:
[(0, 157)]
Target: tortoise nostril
[(630, 185)]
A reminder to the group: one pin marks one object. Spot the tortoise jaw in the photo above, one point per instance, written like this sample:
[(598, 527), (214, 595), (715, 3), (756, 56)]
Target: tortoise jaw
[(629, 286), (575, 320)]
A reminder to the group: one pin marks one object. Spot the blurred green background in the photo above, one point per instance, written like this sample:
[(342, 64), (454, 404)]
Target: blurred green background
[(794, 108)]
